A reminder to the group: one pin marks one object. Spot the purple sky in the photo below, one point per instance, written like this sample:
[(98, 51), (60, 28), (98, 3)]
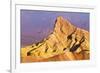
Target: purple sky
[(36, 25)]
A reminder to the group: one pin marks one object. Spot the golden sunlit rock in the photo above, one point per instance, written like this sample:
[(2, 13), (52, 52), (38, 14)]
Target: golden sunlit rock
[(66, 42)]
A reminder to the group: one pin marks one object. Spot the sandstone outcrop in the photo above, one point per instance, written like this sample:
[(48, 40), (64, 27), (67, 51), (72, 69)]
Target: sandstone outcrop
[(66, 42)]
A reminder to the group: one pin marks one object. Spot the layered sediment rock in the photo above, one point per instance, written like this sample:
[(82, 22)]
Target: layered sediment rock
[(66, 42)]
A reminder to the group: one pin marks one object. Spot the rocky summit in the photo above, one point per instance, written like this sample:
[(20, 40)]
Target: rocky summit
[(66, 42)]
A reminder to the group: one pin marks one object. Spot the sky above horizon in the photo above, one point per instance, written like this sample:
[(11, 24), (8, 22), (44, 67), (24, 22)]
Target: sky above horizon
[(36, 25)]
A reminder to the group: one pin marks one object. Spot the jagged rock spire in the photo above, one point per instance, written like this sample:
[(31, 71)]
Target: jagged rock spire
[(65, 36)]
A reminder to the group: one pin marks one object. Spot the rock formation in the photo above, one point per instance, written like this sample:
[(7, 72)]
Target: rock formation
[(66, 42)]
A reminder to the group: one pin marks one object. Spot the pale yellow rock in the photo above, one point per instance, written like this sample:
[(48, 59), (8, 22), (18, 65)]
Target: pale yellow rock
[(58, 44)]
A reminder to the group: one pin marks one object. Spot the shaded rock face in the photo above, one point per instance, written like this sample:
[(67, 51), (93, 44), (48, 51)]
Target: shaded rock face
[(66, 42)]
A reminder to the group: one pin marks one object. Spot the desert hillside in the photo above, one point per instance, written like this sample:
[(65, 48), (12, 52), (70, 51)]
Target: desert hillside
[(66, 42)]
